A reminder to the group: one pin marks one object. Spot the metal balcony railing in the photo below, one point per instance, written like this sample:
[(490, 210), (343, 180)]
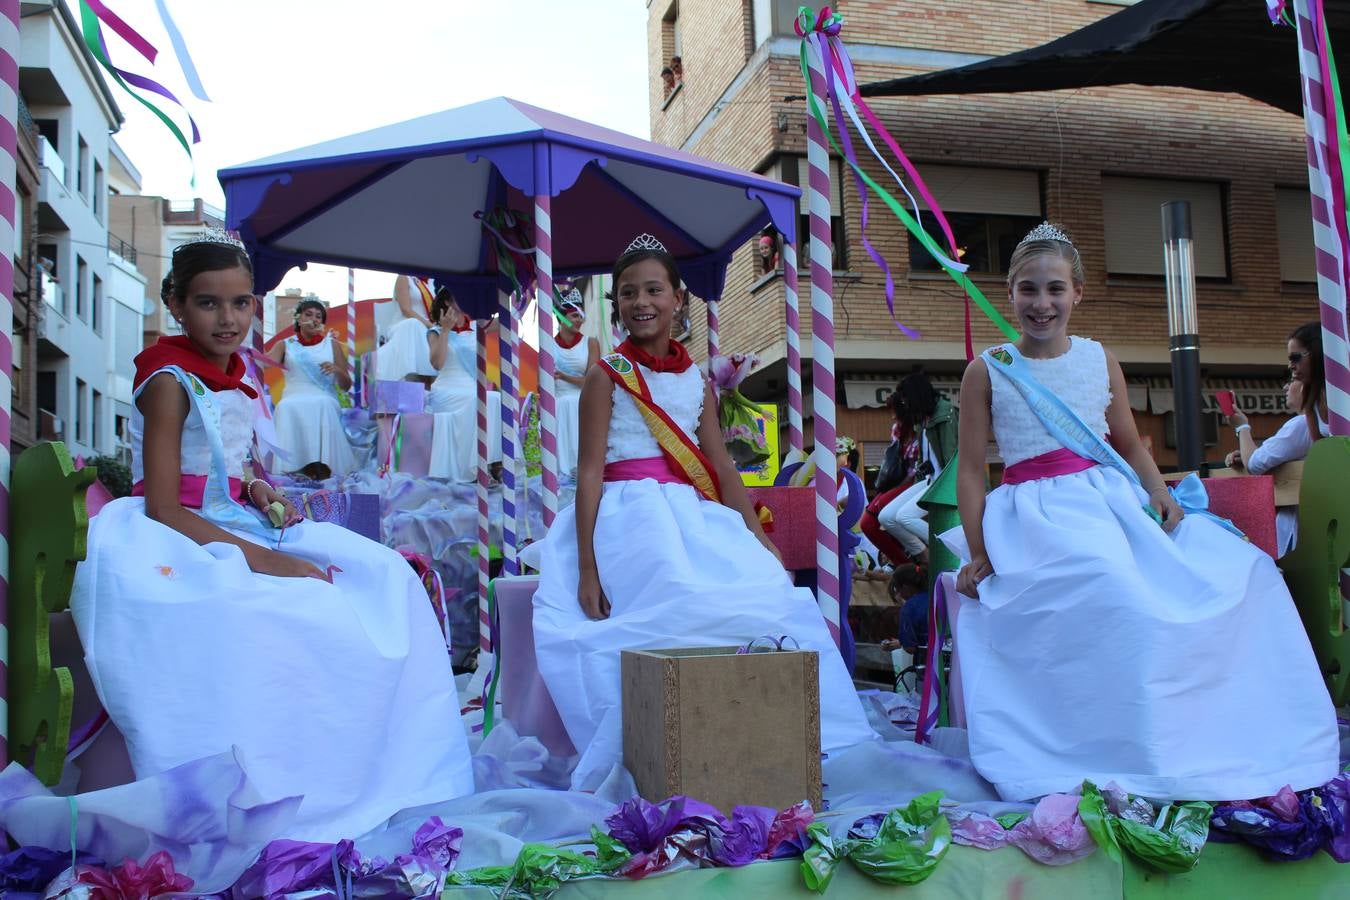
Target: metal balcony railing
[(122, 248)]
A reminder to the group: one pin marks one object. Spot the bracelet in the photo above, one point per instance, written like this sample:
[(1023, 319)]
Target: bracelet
[(434, 329), (248, 489), (1242, 428)]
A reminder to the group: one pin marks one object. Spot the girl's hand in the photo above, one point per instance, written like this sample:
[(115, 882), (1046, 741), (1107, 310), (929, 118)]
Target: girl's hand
[(1167, 507), (972, 573), (1234, 459), (265, 561), (326, 368), (1238, 419), (592, 597)]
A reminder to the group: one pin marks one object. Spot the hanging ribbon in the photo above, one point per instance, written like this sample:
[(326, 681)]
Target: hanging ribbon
[(509, 234), (180, 50), (93, 39), (820, 43)]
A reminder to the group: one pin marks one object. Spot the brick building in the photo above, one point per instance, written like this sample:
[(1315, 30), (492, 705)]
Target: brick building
[(1098, 160)]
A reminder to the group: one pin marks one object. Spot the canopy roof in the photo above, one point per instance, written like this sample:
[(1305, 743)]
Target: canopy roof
[(1209, 45), (403, 198)]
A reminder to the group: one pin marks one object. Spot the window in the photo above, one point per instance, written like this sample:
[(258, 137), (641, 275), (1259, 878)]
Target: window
[(100, 189), (96, 423), (1293, 230), (96, 316), (774, 17), (81, 276), (794, 170), (81, 411), (1132, 212), (83, 163), (989, 210)]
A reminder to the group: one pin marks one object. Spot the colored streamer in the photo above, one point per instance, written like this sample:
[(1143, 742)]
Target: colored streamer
[(123, 30), (180, 50)]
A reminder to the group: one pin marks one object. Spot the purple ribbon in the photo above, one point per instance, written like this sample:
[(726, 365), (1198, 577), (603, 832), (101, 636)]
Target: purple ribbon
[(144, 83)]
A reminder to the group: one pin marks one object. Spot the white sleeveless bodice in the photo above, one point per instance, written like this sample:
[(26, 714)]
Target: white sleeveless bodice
[(572, 360), (680, 395), (298, 378), (236, 433), (1078, 377), (452, 376)]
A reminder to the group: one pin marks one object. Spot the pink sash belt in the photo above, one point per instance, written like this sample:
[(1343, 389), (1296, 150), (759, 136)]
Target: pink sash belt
[(1048, 465), (654, 467), (191, 489)]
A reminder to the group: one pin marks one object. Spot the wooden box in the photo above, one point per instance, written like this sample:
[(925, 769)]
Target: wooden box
[(723, 728)]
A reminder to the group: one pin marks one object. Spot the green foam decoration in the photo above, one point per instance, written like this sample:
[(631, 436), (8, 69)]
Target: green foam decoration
[(48, 528)]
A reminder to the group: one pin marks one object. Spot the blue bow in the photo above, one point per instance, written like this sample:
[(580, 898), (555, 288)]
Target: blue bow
[(1193, 499)]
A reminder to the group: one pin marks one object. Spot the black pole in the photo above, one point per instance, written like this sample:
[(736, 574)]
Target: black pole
[(1183, 328)]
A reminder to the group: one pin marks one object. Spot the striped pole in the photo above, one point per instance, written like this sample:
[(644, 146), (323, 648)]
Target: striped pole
[(796, 441), (714, 327), (9, 111), (351, 335), (548, 405), (822, 356), (611, 308), (507, 330), (484, 543), (1329, 210)]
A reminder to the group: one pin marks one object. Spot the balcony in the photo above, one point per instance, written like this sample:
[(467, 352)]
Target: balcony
[(53, 293), (50, 160), (122, 248), (50, 426)]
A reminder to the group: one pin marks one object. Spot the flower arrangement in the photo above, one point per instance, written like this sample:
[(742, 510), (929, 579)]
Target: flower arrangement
[(740, 419)]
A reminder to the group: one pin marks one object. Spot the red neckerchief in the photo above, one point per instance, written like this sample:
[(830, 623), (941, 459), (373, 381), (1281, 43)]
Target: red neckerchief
[(466, 326), (310, 342), (181, 352), (569, 343), (677, 358)]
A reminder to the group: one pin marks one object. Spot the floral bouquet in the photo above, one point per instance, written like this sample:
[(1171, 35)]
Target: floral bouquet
[(739, 418)]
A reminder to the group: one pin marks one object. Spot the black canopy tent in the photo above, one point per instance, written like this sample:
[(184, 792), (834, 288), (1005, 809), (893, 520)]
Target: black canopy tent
[(1209, 45)]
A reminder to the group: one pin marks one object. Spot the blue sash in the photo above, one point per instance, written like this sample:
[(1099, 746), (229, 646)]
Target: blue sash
[(218, 507), (296, 355), (1067, 427), (464, 344)]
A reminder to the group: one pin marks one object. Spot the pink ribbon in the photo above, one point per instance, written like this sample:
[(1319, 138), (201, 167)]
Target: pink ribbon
[(1048, 465), (123, 30), (191, 489), (653, 467)]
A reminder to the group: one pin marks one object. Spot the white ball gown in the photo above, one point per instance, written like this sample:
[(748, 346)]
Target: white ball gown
[(678, 570), (340, 692), (403, 350), (571, 360), (454, 400), (308, 418), (1104, 648)]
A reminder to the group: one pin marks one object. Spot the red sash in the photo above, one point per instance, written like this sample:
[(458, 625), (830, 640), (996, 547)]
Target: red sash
[(680, 451)]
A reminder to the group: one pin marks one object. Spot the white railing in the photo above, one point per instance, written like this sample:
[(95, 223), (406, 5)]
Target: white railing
[(50, 160)]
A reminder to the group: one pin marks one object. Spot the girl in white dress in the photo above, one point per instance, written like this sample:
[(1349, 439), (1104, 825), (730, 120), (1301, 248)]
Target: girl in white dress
[(453, 349), (309, 418), (403, 348), (575, 355), (309, 651), (1112, 639), (646, 558)]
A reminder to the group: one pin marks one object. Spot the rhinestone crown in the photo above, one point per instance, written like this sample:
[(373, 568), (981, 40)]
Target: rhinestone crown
[(646, 241)]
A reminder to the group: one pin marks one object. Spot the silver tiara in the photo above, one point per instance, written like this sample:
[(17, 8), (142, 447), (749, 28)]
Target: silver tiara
[(1045, 232), (212, 235), (646, 241), (574, 298)]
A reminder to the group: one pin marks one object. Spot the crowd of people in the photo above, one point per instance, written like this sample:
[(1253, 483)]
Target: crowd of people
[(1098, 625)]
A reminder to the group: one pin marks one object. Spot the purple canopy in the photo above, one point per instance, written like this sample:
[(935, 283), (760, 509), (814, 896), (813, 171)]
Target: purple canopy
[(402, 198)]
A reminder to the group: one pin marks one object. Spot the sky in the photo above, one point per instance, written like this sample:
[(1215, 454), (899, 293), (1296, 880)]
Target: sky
[(283, 74)]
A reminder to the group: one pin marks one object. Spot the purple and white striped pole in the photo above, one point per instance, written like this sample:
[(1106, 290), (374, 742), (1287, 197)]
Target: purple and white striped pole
[(714, 329), (484, 540), (796, 439), (1329, 228), (822, 355), (351, 335), (9, 112), (507, 331), (548, 404)]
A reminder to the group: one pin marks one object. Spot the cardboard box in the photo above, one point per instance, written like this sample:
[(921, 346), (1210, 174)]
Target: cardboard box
[(723, 728)]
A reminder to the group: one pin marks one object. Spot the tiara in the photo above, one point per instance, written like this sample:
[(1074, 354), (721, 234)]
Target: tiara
[(844, 444), (573, 298), (1046, 232), (212, 235), (646, 241)]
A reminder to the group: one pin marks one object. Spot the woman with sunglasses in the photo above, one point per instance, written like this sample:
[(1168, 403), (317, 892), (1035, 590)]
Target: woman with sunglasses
[(1307, 394)]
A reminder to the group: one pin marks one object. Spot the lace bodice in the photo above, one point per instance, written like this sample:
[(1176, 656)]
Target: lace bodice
[(236, 432), (680, 395), (572, 360), (1078, 377)]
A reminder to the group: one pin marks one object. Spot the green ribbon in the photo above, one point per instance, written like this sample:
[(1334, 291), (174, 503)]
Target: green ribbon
[(903, 214), (92, 39), (490, 699)]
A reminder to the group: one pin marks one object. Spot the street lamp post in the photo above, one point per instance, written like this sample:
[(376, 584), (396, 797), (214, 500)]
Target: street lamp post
[(1183, 330)]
